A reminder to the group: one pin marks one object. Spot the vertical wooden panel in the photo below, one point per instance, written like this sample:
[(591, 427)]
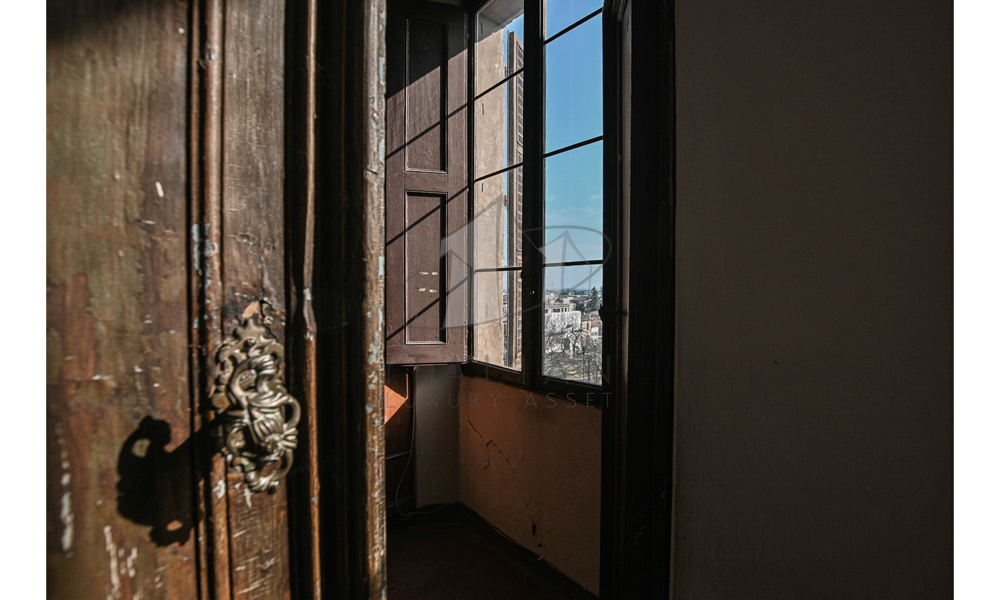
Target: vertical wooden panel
[(119, 520), (426, 83), (639, 427), (253, 257), (426, 95), (368, 375), (206, 287), (349, 296), (422, 242), (300, 147)]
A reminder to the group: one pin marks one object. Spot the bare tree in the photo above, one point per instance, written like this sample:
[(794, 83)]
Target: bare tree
[(569, 352)]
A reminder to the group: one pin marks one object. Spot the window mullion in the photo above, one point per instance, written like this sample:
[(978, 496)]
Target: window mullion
[(500, 172), (593, 140), (470, 240), (575, 263), (533, 208), (573, 26), (499, 83), (496, 269)]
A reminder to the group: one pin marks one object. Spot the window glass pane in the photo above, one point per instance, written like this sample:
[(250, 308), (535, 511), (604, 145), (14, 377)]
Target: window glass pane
[(574, 205), (574, 99), (499, 41), (572, 330), (497, 221), (497, 318), (560, 14), (499, 121)]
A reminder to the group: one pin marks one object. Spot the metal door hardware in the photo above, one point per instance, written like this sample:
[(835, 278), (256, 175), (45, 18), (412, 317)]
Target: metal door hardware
[(258, 417)]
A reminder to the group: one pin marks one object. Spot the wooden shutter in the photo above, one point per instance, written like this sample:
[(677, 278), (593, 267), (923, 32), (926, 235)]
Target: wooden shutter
[(426, 277)]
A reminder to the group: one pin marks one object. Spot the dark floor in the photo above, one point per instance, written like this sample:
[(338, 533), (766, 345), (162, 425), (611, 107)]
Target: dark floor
[(453, 554)]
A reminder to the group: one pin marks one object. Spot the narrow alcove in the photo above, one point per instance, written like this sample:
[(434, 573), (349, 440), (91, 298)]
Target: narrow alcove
[(495, 252)]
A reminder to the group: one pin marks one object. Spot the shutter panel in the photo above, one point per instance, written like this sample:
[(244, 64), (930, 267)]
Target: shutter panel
[(426, 277)]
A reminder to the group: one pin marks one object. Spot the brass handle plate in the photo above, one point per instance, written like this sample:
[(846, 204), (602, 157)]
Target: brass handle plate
[(258, 417)]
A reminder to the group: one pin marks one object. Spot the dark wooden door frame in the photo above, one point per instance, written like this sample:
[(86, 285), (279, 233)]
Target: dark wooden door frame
[(335, 180), (349, 295), (638, 427)]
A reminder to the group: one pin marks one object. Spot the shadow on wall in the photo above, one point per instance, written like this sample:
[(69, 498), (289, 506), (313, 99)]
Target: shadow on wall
[(154, 487)]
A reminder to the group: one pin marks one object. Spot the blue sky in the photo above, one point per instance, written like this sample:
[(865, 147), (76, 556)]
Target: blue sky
[(574, 180), (574, 112)]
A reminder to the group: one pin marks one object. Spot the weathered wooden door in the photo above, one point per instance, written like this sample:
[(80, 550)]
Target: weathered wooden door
[(181, 180)]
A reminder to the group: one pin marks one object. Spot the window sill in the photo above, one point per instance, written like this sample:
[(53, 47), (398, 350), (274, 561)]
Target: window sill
[(570, 391)]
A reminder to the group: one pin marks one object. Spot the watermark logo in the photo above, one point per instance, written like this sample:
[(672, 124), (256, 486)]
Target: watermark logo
[(568, 254)]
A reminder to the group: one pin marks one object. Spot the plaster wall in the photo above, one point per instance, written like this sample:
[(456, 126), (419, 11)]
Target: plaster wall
[(814, 300), (531, 466)]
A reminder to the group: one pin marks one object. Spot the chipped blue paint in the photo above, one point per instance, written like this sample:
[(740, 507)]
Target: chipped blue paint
[(197, 235)]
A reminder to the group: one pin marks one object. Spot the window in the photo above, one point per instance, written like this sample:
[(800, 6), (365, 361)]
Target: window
[(536, 209)]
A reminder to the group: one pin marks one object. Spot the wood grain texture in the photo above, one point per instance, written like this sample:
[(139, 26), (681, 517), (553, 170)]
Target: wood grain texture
[(427, 149), (348, 296), (253, 258), (372, 246), (206, 287), (424, 221), (300, 193), (119, 508), (424, 108)]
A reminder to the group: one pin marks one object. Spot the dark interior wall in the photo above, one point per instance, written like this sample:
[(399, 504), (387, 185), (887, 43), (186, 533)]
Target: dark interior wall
[(814, 300)]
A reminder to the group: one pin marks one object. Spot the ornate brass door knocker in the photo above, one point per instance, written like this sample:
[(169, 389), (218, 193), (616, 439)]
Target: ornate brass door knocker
[(258, 416)]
